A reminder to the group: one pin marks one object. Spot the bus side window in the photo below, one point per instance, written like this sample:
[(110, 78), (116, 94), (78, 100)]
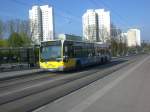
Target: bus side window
[(70, 51)]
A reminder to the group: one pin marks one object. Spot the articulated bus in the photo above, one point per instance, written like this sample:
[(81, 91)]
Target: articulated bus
[(63, 55)]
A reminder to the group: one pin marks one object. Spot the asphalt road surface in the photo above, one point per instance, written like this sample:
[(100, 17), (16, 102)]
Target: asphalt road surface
[(126, 90)]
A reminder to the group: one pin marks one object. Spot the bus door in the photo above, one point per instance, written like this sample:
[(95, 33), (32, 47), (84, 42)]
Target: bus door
[(68, 55)]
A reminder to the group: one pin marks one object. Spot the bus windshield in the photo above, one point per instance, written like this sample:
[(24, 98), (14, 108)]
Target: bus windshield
[(50, 53)]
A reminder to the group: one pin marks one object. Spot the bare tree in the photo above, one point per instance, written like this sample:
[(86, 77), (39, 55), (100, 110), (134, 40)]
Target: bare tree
[(32, 30), (104, 35), (118, 43)]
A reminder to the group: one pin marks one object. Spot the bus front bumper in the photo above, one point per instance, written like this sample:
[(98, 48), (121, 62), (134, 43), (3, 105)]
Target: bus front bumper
[(54, 69)]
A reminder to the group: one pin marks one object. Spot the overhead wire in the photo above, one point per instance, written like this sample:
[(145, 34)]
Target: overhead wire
[(114, 12), (65, 14)]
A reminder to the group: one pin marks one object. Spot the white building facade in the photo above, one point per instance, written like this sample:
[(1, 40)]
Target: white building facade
[(47, 22), (133, 38), (35, 24), (103, 24), (124, 38), (41, 23), (96, 25), (89, 22)]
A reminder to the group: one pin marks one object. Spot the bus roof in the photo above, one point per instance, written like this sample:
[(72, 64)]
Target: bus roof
[(95, 43)]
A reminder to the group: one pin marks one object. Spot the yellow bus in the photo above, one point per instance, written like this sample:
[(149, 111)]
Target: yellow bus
[(62, 55)]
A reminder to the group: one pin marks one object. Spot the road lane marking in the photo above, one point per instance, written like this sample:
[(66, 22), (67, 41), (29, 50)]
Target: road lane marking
[(93, 98)]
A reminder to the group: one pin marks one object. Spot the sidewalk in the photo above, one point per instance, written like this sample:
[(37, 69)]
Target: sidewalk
[(13, 67), (11, 74)]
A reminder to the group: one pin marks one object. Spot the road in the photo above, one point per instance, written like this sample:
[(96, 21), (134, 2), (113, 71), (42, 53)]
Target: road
[(126, 90), (30, 92), (47, 86)]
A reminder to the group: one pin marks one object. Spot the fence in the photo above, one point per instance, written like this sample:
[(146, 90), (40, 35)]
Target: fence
[(19, 57)]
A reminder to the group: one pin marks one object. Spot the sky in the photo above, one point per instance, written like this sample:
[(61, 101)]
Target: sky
[(125, 14)]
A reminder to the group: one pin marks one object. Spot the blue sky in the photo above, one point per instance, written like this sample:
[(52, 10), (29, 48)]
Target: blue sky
[(68, 13)]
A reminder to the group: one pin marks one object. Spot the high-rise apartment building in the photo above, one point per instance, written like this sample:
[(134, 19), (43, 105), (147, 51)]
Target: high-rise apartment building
[(96, 25), (35, 24), (41, 23), (103, 24), (47, 22), (133, 38), (89, 21)]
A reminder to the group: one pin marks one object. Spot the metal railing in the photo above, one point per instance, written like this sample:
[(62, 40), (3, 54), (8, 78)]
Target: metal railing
[(18, 58)]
